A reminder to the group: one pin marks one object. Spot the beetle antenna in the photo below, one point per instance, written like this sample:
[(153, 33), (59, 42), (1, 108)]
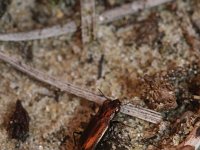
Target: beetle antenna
[(102, 94)]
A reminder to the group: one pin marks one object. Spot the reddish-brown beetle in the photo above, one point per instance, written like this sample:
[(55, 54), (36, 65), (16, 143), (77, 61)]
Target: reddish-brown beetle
[(99, 125)]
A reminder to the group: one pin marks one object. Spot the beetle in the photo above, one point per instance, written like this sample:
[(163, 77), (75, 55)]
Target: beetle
[(99, 124)]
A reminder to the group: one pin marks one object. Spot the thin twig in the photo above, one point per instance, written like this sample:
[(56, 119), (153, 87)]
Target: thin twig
[(142, 113), (128, 9), (56, 30), (64, 86), (71, 27), (130, 109)]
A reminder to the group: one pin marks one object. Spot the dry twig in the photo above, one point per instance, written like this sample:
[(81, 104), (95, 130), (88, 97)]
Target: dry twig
[(56, 30), (127, 9), (130, 109), (52, 81), (142, 113)]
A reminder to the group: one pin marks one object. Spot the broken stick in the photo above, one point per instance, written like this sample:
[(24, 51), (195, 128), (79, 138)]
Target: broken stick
[(63, 86), (128, 9), (56, 30)]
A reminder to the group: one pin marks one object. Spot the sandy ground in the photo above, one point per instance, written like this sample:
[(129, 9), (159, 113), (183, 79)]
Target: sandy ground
[(154, 40)]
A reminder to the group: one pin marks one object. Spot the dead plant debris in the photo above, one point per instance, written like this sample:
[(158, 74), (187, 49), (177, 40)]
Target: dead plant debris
[(167, 89), (182, 115), (18, 126)]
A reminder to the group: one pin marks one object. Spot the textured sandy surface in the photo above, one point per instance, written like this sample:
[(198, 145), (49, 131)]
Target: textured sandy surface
[(128, 55)]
